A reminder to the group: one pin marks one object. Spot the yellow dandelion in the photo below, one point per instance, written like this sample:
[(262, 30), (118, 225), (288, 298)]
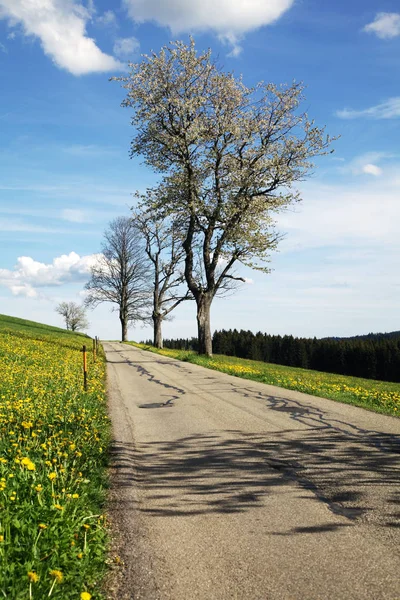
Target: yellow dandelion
[(52, 476), (33, 577), (58, 576), (85, 596)]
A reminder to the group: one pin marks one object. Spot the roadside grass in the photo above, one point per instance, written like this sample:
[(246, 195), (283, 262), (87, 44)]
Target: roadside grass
[(53, 456), (379, 396)]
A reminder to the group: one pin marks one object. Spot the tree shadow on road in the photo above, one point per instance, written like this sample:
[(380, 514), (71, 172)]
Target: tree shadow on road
[(234, 472), (355, 471)]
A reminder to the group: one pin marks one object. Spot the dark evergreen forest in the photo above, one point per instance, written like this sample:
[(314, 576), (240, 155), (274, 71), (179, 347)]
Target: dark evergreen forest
[(373, 356)]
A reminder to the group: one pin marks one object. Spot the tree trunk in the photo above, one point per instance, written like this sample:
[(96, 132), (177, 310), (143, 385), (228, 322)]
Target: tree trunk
[(124, 327), (204, 325), (158, 340)]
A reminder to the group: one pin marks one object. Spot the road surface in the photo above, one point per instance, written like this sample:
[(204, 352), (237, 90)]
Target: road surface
[(225, 488)]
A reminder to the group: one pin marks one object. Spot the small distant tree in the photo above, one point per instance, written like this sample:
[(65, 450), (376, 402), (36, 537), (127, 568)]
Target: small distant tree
[(74, 315), (164, 249), (121, 274), (234, 153)]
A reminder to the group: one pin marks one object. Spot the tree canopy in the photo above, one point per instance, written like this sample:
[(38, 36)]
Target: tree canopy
[(121, 274), (230, 156), (74, 315), (163, 246)]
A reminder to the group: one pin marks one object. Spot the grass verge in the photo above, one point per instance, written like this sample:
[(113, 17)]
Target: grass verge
[(379, 396), (53, 454)]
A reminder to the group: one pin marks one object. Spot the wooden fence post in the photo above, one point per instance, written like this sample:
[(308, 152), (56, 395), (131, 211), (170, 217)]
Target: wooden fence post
[(84, 368), (94, 350)]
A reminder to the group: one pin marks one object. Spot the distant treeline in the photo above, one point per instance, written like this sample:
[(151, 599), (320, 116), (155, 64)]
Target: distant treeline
[(373, 356), (178, 344)]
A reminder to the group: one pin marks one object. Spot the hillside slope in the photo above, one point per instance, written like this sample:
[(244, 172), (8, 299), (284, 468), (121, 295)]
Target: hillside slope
[(25, 326), (54, 436)]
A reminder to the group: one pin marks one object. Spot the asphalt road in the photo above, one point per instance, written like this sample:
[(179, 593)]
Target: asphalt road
[(229, 489)]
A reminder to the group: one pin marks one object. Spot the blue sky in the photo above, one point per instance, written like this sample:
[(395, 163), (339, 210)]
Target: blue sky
[(65, 170)]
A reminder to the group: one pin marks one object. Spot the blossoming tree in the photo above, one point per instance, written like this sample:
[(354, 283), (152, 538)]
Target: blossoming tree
[(232, 154)]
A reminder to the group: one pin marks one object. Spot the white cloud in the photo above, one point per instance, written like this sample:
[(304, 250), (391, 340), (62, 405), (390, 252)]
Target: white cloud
[(73, 215), (371, 169), (8, 225), (61, 27), (90, 8), (23, 290), (385, 25), (29, 274), (80, 189), (92, 216), (232, 40), (107, 19), (126, 47), (89, 150), (346, 216), (366, 164), (230, 19), (387, 110)]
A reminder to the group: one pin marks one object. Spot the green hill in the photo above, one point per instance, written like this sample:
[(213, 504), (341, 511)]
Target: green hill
[(15, 324)]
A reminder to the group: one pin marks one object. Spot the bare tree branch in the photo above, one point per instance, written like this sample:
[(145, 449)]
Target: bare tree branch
[(163, 245), (74, 315), (121, 275)]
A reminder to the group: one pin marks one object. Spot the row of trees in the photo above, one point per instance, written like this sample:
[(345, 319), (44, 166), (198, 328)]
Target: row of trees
[(179, 343), (229, 157), (373, 356), (139, 271), (370, 357)]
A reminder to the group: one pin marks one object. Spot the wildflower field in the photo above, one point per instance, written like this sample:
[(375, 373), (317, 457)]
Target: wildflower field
[(379, 396), (53, 449)]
